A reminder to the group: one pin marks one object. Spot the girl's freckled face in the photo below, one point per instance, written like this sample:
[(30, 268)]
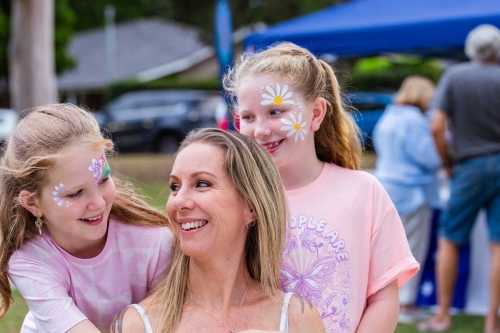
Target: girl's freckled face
[(275, 114)]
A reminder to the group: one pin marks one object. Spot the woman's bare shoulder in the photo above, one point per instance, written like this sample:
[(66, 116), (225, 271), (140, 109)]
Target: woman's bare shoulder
[(303, 316), (127, 321)]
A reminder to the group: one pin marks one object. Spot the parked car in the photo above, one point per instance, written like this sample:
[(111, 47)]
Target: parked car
[(8, 121), (367, 108), (157, 120)]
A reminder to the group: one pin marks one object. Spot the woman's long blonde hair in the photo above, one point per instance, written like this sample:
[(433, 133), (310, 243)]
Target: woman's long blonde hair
[(337, 140), (257, 181), (31, 152)]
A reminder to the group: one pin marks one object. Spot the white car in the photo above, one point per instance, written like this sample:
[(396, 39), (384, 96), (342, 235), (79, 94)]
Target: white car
[(8, 121)]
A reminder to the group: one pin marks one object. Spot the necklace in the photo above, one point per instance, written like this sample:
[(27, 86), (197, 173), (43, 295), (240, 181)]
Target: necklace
[(220, 322)]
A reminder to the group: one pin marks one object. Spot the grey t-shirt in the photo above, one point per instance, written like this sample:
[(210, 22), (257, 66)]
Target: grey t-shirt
[(469, 94)]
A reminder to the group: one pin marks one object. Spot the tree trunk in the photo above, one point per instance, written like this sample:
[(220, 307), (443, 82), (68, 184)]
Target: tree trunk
[(31, 54)]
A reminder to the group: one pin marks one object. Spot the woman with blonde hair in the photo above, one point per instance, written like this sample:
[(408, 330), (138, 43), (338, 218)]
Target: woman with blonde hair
[(345, 249), (407, 162), (228, 211), (78, 243)]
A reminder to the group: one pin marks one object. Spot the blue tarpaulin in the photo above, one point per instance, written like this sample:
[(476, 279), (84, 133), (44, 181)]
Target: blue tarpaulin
[(368, 27)]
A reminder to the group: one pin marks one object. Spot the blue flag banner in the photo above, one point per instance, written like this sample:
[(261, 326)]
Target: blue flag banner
[(223, 35), (224, 45)]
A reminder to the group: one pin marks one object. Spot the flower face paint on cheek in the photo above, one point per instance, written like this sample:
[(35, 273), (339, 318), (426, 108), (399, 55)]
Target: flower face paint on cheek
[(57, 195), (100, 169), (295, 126)]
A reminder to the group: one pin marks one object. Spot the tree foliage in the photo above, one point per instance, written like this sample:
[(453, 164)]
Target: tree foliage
[(195, 12), (374, 73), (65, 19), (4, 37)]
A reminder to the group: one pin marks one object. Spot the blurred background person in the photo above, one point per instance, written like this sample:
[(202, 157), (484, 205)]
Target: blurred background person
[(407, 162), (468, 96)]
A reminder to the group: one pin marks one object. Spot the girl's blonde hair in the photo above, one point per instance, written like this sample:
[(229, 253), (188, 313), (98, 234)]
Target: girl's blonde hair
[(257, 181), (31, 153), (416, 91), (337, 140)]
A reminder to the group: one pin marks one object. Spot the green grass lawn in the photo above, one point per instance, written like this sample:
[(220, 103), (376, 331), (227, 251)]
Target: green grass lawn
[(11, 323), (461, 324)]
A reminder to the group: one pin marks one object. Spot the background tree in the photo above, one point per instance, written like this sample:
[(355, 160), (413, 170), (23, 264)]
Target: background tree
[(64, 19), (31, 54)]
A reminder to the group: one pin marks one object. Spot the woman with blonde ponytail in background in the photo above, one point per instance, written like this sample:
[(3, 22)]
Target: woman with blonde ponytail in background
[(345, 249)]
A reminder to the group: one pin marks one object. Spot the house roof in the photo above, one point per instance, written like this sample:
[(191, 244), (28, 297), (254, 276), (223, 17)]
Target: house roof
[(145, 49)]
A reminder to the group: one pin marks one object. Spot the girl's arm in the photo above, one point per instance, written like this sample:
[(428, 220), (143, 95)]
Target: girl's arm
[(382, 309), (83, 327), (46, 295)]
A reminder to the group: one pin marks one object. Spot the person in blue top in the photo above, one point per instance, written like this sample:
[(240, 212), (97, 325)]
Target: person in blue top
[(407, 162)]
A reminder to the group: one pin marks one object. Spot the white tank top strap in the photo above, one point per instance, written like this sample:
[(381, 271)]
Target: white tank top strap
[(147, 325), (284, 312)]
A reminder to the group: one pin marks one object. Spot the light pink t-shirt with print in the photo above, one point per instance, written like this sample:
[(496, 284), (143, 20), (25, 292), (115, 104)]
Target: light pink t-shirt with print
[(345, 242), (62, 290)]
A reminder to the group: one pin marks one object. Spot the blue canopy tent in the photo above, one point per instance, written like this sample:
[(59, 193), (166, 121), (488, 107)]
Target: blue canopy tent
[(368, 27)]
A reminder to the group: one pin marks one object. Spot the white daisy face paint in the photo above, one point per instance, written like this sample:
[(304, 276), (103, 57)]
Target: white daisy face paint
[(281, 122), (57, 195), (278, 96), (295, 126)]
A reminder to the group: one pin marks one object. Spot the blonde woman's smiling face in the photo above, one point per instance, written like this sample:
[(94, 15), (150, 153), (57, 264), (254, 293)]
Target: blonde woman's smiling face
[(206, 212)]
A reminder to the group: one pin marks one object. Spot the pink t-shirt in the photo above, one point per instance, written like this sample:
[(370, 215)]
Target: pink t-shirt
[(345, 242), (62, 290)]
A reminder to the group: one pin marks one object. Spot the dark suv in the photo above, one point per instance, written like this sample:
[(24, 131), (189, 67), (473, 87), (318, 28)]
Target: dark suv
[(157, 120)]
